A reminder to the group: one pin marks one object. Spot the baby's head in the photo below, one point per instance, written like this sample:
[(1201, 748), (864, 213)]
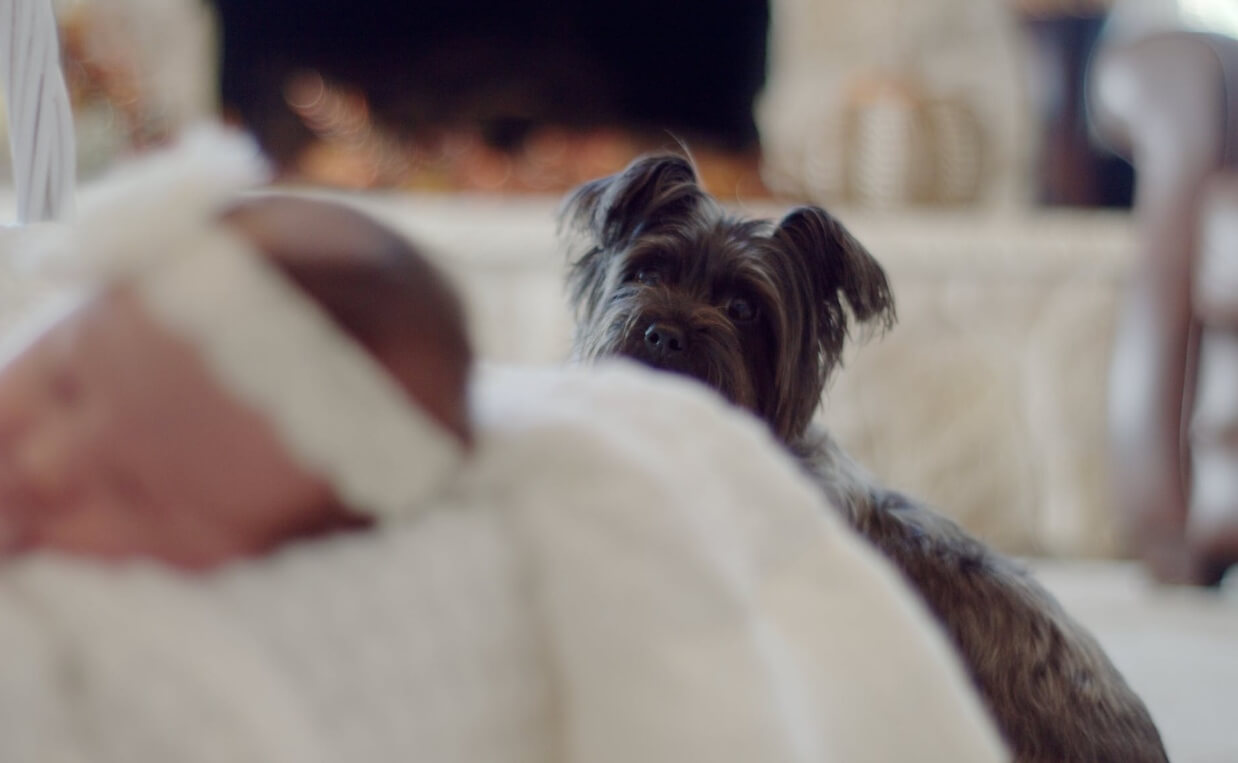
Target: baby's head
[(376, 286), (124, 433)]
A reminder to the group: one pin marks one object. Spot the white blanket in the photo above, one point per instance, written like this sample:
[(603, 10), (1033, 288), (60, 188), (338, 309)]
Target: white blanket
[(629, 571)]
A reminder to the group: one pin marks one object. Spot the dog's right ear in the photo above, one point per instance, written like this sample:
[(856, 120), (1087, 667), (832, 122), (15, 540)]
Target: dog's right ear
[(842, 275), (610, 211)]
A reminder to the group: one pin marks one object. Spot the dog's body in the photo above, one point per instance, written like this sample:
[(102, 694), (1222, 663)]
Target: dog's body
[(760, 311), (1051, 689)]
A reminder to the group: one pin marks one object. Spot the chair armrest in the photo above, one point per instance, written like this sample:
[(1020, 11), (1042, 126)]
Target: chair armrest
[(1170, 103)]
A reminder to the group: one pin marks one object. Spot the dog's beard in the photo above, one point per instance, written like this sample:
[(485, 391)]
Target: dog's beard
[(714, 354)]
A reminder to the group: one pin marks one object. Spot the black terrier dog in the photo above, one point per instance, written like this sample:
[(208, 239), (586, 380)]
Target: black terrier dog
[(660, 272)]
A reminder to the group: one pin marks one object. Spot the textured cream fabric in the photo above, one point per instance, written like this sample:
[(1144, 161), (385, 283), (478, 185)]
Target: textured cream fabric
[(707, 605), (631, 572)]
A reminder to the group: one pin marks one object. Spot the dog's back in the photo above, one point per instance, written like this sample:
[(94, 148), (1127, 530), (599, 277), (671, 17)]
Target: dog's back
[(1050, 686)]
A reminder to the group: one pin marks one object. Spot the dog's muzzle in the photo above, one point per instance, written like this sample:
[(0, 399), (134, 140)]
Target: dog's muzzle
[(665, 341)]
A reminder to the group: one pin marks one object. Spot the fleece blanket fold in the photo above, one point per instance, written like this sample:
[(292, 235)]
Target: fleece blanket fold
[(628, 570)]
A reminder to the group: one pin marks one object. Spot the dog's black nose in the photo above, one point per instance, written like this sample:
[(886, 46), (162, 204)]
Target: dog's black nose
[(664, 339)]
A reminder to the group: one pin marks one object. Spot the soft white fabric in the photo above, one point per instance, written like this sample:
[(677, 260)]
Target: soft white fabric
[(630, 570), (702, 602)]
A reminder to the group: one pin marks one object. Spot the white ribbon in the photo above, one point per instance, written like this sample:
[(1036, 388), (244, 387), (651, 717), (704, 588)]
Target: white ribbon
[(334, 406)]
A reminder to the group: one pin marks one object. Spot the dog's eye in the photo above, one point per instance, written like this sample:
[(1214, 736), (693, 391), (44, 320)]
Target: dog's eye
[(649, 275), (741, 310)]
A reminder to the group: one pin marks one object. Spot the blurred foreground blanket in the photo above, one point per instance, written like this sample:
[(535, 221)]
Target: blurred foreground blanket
[(629, 571)]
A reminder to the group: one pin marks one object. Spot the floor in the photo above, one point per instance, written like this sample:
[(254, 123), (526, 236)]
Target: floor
[(1178, 647)]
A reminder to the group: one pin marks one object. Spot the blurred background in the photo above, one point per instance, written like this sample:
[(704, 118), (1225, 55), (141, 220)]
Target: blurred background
[(871, 101)]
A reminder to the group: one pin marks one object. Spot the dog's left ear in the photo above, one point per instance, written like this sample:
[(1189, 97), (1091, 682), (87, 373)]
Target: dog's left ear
[(602, 216), (838, 268), (610, 210)]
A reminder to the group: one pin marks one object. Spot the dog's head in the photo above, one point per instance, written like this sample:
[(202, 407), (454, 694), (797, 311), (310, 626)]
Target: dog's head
[(758, 310)]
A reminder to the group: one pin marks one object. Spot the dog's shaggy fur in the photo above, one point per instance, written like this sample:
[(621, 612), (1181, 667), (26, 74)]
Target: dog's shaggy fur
[(660, 272)]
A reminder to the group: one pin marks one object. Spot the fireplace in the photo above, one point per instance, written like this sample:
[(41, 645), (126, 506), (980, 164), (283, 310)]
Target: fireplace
[(485, 93)]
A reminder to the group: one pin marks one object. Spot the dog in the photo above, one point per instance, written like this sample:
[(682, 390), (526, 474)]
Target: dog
[(760, 311)]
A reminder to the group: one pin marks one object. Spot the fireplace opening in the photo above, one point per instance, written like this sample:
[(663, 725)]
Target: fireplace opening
[(484, 93)]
